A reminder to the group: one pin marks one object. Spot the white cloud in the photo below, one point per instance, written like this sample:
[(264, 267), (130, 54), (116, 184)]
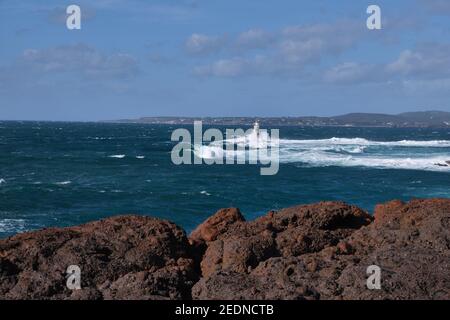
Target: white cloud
[(301, 51), (428, 61), (225, 68), (337, 36), (203, 44), (406, 62), (350, 72), (67, 66), (80, 59), (254, 39), (288, 51), (427, 66)]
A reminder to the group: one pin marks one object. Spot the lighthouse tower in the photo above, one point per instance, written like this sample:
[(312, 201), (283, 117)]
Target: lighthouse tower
[(256, 128)]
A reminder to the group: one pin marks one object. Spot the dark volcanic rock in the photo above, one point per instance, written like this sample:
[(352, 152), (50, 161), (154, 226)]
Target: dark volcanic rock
[(319, 251), (409, 242), (216, 225), (290, 232), (128, 257)]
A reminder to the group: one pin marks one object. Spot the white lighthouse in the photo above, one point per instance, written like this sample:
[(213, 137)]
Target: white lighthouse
[(256, 128)]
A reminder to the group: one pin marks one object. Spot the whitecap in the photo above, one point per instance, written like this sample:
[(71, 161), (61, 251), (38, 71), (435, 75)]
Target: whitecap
[(365, 142), (118, 156), (427, 155), (2, 181), (316, 158), (357, 149), (205, 193), (209, 152), (63, 183), (140, 157), (347, 152), (12, 225)]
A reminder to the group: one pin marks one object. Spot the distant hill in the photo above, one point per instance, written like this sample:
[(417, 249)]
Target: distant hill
[(407, 119), (423, 119)]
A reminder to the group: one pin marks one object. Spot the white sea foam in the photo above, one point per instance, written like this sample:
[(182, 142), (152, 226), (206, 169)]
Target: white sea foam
[(12, 225), (100, 138), (63, 183), (430, 155), (118, 156), (251, 140), (348, 152), (365, 142), (324, 159), (209, 152), (205, 193), (240, 146), (2, 181), (140, 157)]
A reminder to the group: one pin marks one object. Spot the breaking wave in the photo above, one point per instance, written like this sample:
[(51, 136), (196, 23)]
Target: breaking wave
[(347, 152), (12, 225), (63, 183), (365, 142), (431, 155), (117, 156)]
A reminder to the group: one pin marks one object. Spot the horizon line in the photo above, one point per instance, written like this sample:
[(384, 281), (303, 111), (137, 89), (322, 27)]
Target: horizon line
[(217, 117)]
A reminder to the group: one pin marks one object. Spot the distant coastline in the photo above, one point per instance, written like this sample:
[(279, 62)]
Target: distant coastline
[(420, 119), (424, 119)]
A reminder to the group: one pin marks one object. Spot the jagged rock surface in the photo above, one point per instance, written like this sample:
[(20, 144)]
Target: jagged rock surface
[(318, 251), (290, 232), (128, 257), (410, 242)]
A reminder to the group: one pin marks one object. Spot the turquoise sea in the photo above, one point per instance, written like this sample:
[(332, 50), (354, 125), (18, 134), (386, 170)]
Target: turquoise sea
[(62, 174)]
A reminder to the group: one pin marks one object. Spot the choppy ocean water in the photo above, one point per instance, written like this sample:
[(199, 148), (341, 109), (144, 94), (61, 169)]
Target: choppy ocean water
[(61, 174)]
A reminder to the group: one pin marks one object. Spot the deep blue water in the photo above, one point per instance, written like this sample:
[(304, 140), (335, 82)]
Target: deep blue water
[(61, 174)]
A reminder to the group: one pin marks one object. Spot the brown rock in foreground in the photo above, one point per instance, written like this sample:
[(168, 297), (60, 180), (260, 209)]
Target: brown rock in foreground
[(318, 251), (128, 257), (290, 232), (216, 225), (410, 242)]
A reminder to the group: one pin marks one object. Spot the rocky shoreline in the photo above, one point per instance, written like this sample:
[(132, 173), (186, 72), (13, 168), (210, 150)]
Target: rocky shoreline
[(318, 251)]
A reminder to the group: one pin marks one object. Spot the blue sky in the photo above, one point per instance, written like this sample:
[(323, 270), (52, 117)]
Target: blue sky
[(137, 58)]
